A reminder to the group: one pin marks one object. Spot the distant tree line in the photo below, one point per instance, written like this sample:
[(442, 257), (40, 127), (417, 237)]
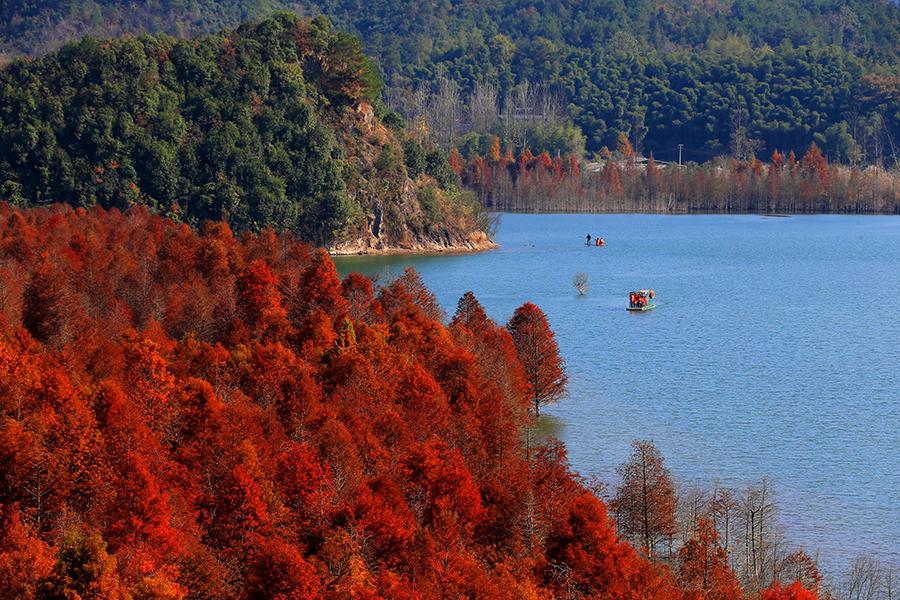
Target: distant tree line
[(622, 182), (784, 99), (764, 74)]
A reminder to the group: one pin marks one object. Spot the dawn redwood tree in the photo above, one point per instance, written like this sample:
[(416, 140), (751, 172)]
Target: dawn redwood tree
[(321, 289), (278, 570), (357, 289), (645, 500), (44, 307), (538, 351), (703, 570), (505, 389), (421, 295), (795, 591), (800, 567), (19, 545), (469, 312), (816, 165), (456, 160)]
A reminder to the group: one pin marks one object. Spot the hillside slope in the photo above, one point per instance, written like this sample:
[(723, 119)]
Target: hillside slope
[(715, 76), (190, 415), (402, 31), (269, 125), (707, 75)]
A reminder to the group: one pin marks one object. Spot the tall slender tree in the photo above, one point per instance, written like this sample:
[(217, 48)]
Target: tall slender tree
[(703, 569), (538, 351), (645, 500)]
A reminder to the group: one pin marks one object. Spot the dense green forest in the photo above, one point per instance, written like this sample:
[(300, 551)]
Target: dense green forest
[(268, 125), (36, 26), (718, 76), (736, 77)]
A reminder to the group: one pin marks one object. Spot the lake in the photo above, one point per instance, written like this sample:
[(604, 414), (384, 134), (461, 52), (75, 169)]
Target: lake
[(774, 351)]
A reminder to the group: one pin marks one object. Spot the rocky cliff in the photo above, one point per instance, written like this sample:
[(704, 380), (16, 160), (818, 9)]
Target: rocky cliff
[(396, 212)]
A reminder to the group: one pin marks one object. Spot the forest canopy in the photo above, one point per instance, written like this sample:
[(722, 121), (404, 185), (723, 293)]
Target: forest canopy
[(268, 125), (195, 414), (720, 76)]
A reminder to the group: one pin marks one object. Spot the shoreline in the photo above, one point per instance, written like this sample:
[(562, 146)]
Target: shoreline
[(674, 213), (420, 249)]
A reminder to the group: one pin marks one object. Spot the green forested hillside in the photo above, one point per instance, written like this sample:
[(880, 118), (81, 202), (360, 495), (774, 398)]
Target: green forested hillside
[(36, 26), (719, 76), (268, 125), (404, 33)]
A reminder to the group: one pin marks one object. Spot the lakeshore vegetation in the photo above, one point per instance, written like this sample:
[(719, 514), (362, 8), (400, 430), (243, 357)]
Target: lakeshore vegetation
[(195, 414), (618, 182)]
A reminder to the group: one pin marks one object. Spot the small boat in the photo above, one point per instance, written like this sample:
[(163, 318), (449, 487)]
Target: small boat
[(641, 300)]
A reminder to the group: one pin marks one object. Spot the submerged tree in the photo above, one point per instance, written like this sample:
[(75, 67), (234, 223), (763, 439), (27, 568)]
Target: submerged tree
[(580, 281)]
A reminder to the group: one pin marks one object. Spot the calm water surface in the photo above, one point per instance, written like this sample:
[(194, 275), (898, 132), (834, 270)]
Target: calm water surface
[(775, 351)]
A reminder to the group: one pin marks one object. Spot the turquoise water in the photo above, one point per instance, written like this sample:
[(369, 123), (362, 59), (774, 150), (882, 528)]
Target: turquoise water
[(774, 351)]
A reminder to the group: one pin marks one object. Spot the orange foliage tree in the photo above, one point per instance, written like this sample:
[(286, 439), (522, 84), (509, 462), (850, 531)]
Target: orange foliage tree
[(795, 591), (703, 569), (538, 351)]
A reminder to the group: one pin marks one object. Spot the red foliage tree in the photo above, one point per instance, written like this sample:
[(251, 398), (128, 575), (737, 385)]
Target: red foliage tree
[(279, 571), (645, 500), (25, 560), (703, 571), (456, 161), (187, 414), (795, 591), (494, 150), (816, 165), (538, 351)]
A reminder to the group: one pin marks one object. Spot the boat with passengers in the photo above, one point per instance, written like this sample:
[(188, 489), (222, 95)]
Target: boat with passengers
[(641, 300)]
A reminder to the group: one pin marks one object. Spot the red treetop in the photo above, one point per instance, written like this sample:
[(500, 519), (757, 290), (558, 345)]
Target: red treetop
[(538, 351), (795, 591)]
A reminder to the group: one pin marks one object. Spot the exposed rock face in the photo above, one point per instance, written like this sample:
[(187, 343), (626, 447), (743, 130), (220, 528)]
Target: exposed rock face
[(442, 239), (393, 219)]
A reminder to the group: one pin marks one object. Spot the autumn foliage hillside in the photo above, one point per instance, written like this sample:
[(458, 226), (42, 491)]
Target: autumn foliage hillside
[(192, 414)]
